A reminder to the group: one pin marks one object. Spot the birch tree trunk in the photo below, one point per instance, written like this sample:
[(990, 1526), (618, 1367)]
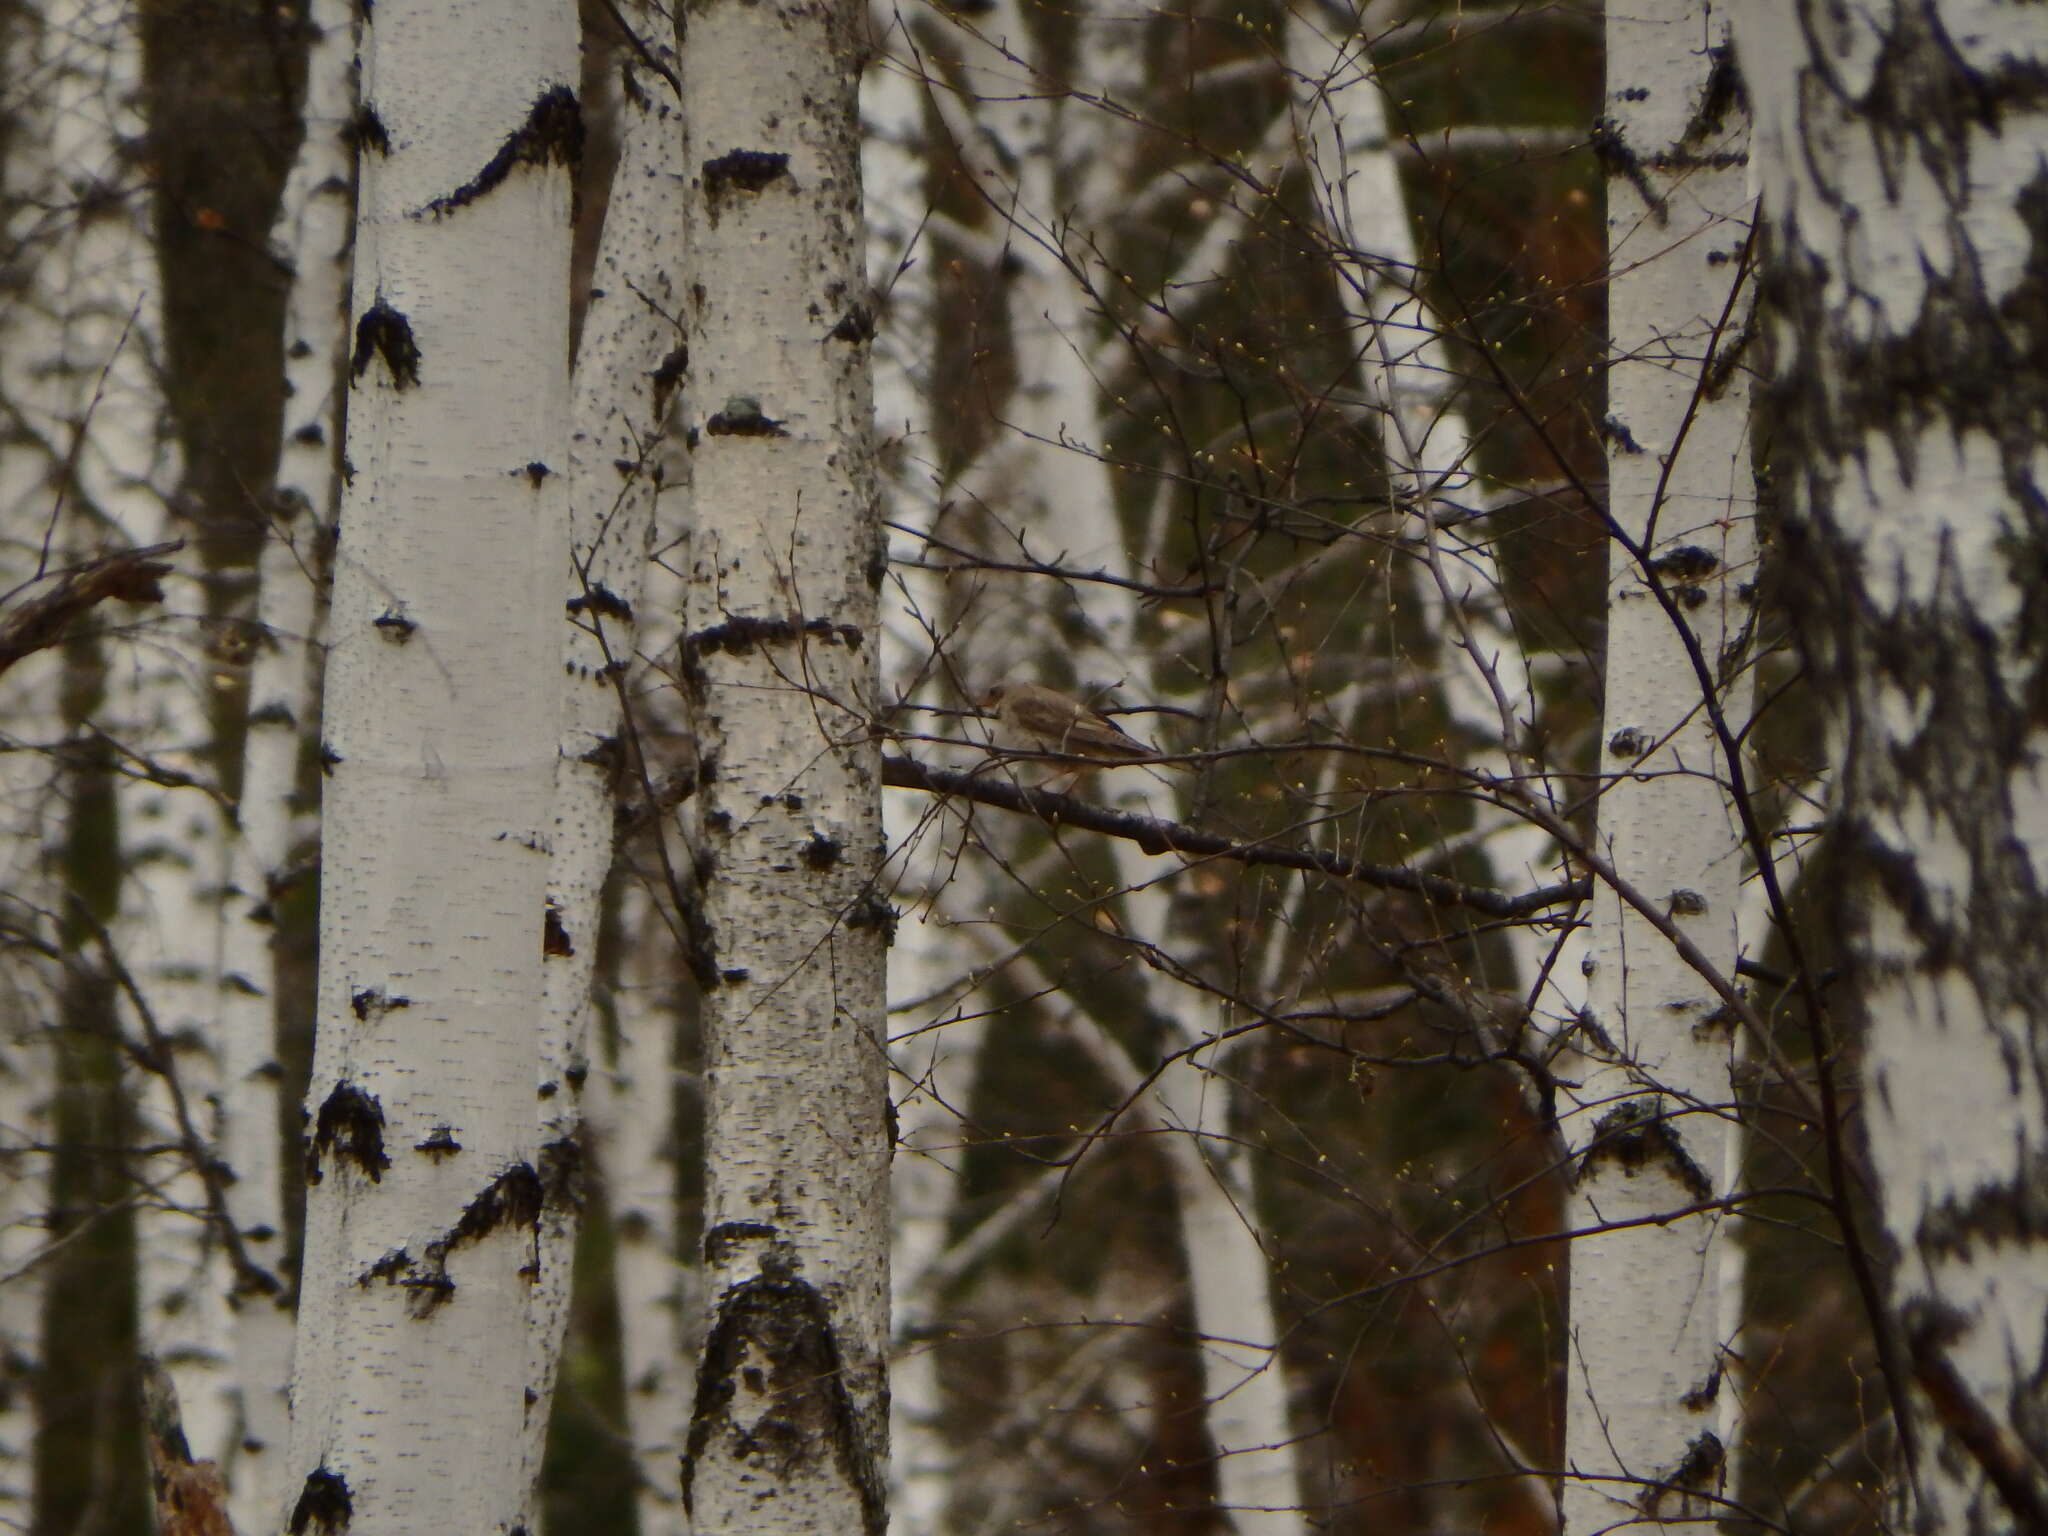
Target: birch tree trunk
[(313, 228), (1649, 1124), (632, 1117), (410, 1400), (1901, 148), (935, 1061), (100, 405), (625, 378), (789, 1424)]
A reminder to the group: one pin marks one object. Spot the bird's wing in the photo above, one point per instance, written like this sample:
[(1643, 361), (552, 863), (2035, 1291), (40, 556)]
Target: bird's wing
[(1068, 727)]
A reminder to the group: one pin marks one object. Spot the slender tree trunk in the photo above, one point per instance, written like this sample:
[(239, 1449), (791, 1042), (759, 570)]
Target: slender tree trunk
[(633, 1122), (935, 1060), (1901, 148), (625, 378), (315, 217), (1649, 1123), (789, 1428), (411, 1402)]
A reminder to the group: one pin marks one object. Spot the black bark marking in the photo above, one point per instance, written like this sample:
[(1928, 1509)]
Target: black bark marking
[(674, 368), (375, 1000), (1638, 1135), (512, 1200), (856, 325), (1688, 562), (1930, 1327), (1612, 430), (366, 131), (739, 635), (1722, 94), (743, 417), (394, 626), (561, 1174), (325, 1503), (821, 852), (725, 1239), (551, 135), (329, 758), (440, 1142), (871, 910), (1629, 742), (742, 170), (554, 933), (384, 332), (349, 1128), (1996, 1213), (601, 600), (780, 1321), (390, 1267), (1702, 1397), (1698, 1473)]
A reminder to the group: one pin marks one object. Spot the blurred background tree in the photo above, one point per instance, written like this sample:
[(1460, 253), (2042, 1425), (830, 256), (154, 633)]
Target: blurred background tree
[(1241, 373)]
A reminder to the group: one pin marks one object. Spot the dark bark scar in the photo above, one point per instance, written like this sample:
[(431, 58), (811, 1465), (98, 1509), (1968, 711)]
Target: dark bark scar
[(551, 135)]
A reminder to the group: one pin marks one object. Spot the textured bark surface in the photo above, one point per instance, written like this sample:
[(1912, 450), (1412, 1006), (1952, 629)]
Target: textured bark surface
[(412, 1389), (789, 1422), (315, 215), (1901, 147), (1647, 1121), (625, 390)]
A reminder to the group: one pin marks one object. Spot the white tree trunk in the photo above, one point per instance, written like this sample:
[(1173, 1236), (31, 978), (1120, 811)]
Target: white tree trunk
[(100, 406), (410, 1402), (789, 1425), (313, 229), (1900, 150), (1649, 1124), (631, 1110), (625, 377), (934, 1062)]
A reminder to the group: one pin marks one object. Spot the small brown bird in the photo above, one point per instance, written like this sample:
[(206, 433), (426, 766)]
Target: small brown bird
[(1041, 719)]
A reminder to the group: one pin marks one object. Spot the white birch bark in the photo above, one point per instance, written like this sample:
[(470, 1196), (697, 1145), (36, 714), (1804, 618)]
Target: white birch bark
[(627, 369), (100, 407), (1648, 1124), (631, 1109), (313, 233), (934, 1061), (167, 932), (789, 1428), (30, 459), (1900, 149), (27, 1068), (410, 1399)]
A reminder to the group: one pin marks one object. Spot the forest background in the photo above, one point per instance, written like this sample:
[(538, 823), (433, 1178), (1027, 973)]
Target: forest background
[(1351, 400)]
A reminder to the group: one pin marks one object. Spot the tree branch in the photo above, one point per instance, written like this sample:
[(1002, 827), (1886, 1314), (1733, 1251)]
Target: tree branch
[(132, 575), (1158, 837)]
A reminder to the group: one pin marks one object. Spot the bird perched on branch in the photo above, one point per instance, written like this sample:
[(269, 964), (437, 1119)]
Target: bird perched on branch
[(1039, 719)]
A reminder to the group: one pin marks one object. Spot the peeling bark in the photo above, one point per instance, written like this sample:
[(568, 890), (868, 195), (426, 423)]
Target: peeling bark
[(1906, 297)]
